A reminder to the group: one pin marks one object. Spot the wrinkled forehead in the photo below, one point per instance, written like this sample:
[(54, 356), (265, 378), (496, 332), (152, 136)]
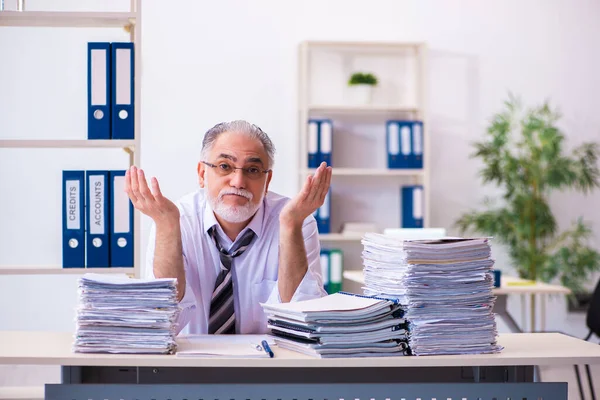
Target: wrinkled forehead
[(239, 147)]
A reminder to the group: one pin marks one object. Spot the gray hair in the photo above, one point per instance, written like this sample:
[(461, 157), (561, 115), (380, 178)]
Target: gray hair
[(239, 126)]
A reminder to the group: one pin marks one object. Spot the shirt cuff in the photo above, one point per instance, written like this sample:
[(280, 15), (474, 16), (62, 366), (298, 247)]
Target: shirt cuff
[(309, 288)]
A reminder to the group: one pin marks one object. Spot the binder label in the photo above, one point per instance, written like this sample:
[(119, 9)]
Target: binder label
[(325, 268), (99, 74), (394, 145), (97, 187), (417, 139), (336, 266), (73, 206), (418, 202), (405, 137), (312, 138), (123, 95), (326, 138), (121, 206), (324, 209)]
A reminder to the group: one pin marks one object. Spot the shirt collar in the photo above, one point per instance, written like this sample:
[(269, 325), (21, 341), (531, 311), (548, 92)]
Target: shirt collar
[(256, 223)]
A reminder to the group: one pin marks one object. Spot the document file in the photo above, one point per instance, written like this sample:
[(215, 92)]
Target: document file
[(98, 221), (73, 249), (398, 144), (118, 314), (444, 286), (224, 346), (325, 268), (405, 144), (325, 140), (123, 68), (121, 233), (323, 215), (339, 325), (417, 145), (336, 270), (320, 141), (313, 143), (413, 204), (98, 76)]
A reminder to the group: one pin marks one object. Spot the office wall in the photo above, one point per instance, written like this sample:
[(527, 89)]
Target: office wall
[(205, 62)]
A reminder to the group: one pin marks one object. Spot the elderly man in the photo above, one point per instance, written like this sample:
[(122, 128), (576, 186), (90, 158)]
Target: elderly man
[(233, 244)]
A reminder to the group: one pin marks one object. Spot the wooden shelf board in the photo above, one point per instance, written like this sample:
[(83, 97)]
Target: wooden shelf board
[(339, 237), (342, 108), (67, 19), (57, 270), (374, 172), (65, 144), (367, 46)]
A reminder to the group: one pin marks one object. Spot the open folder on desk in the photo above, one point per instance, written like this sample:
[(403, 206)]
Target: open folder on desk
[(223, 346)]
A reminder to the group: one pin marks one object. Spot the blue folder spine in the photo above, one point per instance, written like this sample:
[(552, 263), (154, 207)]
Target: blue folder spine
[(73, 248), (412, 206), (325, 141), (392, 144), (325, 268), (313, 143), (123, 83), (121, 223), (98, 90), (97, 219), (399, 144), (417, 145), (324, 215)]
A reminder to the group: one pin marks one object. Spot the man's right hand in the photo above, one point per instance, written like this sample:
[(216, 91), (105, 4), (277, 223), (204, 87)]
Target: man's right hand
[(150, 201)]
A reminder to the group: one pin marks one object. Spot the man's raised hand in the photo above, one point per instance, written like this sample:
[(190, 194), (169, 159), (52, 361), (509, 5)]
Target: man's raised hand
[(149, 200)]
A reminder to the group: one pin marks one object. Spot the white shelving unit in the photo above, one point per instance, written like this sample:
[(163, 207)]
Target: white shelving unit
[(359, 157), (131, 23)]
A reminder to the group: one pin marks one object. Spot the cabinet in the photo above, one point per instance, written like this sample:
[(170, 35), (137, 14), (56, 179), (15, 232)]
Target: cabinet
[(363, 188), (32, 159)]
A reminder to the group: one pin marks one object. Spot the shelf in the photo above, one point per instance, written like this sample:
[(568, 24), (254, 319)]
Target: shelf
[(339, 237), (66, 144), (373, 172), (57, 270), (368, 109), (367, 47), (67, 19)]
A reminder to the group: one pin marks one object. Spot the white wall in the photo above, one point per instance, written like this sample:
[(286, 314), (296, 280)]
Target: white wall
[(204, 62)]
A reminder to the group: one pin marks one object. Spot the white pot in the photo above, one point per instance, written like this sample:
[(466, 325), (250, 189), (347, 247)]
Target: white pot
[(360, 94)]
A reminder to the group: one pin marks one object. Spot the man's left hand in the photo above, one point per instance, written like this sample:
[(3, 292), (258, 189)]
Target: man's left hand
[(310, 198)]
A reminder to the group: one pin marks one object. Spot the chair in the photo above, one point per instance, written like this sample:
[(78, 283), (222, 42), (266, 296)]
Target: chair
[(592, 321)]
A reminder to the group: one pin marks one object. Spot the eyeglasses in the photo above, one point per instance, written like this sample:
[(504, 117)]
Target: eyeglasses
[(225, 168)]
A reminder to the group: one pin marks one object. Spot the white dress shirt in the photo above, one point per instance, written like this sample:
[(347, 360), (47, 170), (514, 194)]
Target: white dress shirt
[(254, 272)]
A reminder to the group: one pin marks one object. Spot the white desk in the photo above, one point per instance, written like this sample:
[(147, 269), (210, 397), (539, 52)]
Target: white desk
[(131, 374), (49, 348), (508, 285)]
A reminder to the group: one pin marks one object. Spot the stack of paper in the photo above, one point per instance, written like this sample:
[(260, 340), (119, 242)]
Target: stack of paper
[(339, 325), (117, 314), (445, 287)]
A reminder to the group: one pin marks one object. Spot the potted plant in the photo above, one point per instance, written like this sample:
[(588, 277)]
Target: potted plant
[(361, 87), (524, 155)]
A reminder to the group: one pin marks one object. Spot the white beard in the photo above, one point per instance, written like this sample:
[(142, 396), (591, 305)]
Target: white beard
[(234, 214)]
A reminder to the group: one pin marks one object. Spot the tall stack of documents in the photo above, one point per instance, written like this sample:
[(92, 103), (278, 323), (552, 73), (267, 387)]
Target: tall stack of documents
[(445, 287), (339, 325), (117, 314)]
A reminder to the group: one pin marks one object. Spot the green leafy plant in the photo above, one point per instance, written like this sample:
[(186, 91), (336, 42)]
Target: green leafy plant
[(523, 153), (362, 78)]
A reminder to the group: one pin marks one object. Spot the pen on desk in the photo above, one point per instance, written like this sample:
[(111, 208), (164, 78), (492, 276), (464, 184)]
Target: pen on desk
[(267, 348)]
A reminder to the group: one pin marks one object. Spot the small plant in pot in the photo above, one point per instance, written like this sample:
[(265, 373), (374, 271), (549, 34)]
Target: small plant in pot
[(361, 87)]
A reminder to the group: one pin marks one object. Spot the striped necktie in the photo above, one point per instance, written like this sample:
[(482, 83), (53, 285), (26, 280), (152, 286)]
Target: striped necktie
[(222, 313)]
